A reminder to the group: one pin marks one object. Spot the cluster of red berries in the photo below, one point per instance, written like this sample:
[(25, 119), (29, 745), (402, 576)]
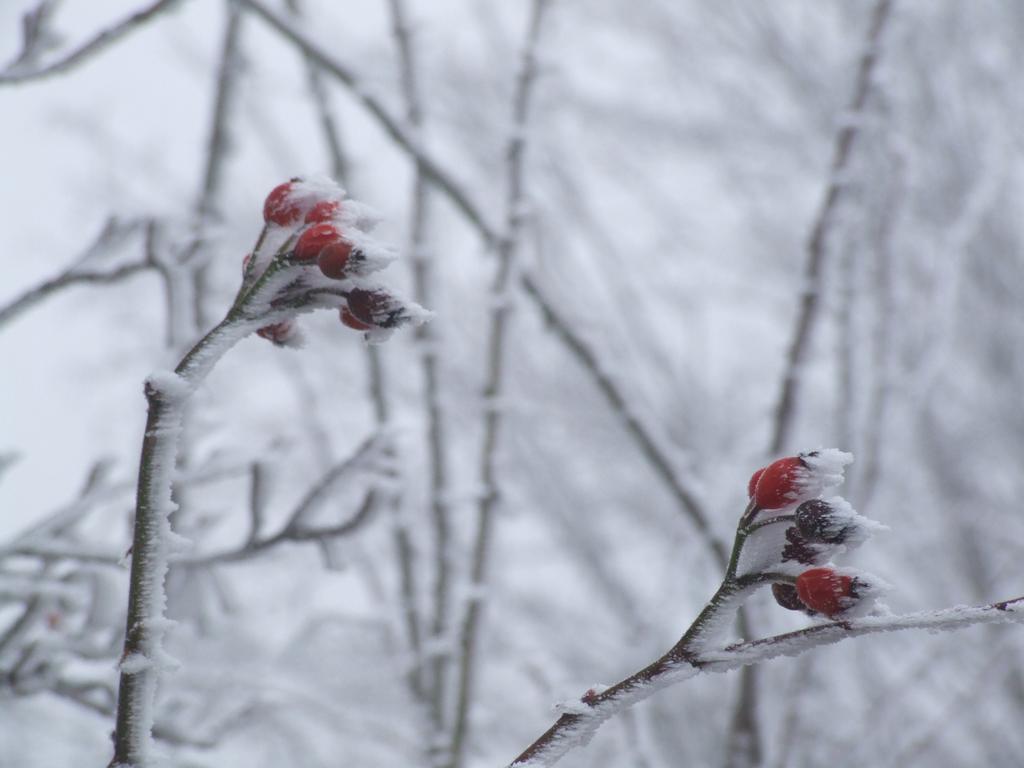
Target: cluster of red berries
[(818, 527), (326, 232)]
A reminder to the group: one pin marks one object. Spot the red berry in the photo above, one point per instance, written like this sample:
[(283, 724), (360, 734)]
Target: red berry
[(368, 306), (323, 211), (786, 596), (752, 484), (279, 333), (281, 207), (314, 240), (817, 521), (799, 548), (825, 591), (352, 321), (779, 483), (334, 258)]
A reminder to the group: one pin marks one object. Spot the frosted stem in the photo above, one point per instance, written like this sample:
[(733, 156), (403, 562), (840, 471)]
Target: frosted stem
[(495, 382), (573, 729), (816, 245), (167, 394)]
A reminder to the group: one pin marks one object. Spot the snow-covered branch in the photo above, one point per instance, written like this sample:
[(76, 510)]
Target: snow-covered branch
[(392, 126), (820, 529), (81, 271), (817, 244), (494, 377), (297, 528), (282, 278), (434, 684), (573, 729), (20, 73)]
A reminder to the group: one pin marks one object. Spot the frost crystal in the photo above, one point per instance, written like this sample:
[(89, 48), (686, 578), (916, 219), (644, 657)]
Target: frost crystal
[(825, 468)]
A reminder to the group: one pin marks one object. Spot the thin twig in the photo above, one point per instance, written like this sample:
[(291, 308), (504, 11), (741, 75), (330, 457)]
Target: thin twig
[(878, 398), (77, 554), (495, 379), (217, 145), (785, 410), (83, 694), (426, 336), (391, 125), (96, 45), (329, 128), (257, 500), (36, 35), (293, 532), (640, 433), (113, 233)]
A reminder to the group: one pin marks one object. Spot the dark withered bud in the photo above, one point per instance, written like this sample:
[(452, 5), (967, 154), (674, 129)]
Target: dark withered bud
[(816, 521), (786, 596), (799, 548)]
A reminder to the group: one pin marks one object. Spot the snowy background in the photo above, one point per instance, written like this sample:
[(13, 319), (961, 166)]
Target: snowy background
[(676, 159)]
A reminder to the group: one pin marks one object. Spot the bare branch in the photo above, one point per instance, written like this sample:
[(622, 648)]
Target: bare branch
[(507, 251), (113, 233), (329, 128), (7, 460), (878, 398), (648, 445), (817, 244), (36, 35), (427, 338), (217, 150), (295, 529), (38, 540), (257, 500), (75, 553), (291, 533), (104, 39), (438, 175)]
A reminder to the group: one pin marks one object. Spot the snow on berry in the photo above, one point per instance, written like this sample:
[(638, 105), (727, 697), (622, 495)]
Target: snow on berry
[(357, 215), (288, 203), (373, 255), (377, 308), (825, 470), (280, 207), (834, 521), (826, 591), (324, 211), (379, 311), (797, 478), (840, 592), (335, 259), (312, 223)]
